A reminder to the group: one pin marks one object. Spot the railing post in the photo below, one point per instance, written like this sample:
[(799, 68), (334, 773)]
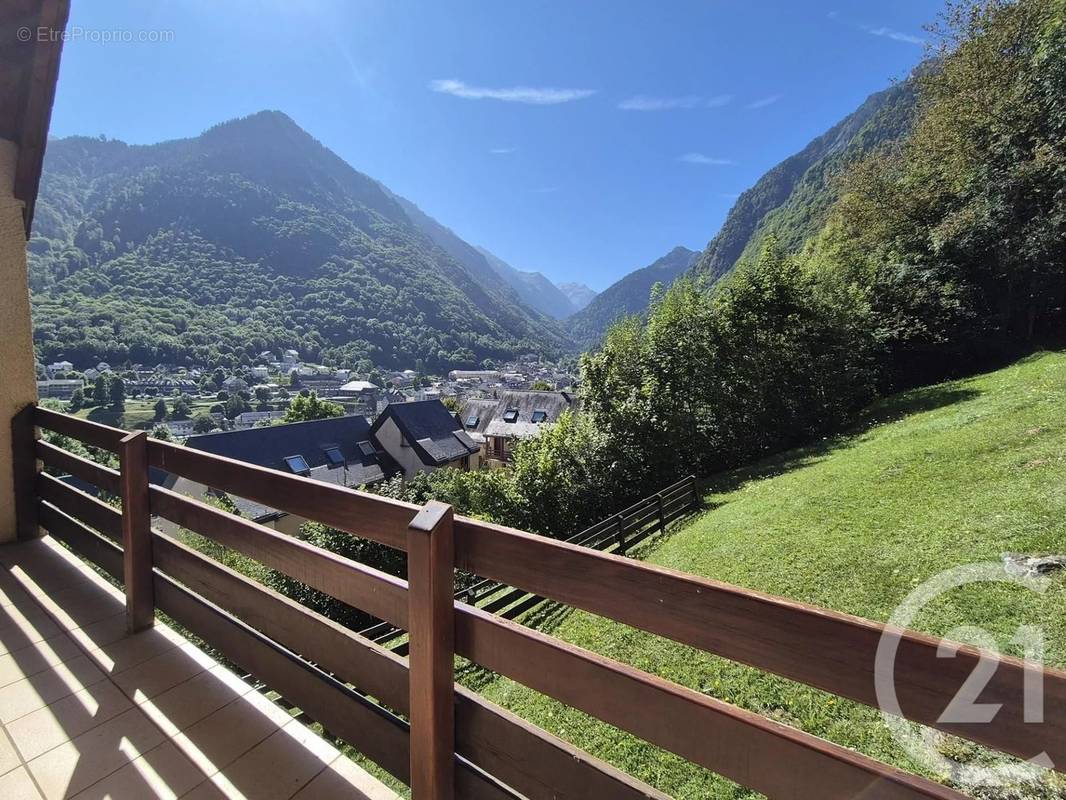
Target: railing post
[(620, 534), (431, 625), (24, 467), (136, 531), (695, 492)]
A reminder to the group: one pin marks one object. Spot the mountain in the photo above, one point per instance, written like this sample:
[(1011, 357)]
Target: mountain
[(627, 296), (791, 200), (254, 236), (578, 294), (534, 289)]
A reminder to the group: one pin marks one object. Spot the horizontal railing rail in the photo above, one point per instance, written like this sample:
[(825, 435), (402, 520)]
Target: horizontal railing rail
[(829, 650), (616, 534)]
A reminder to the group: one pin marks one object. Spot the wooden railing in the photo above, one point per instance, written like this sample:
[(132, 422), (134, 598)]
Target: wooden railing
[(615, 534), (457, 744)]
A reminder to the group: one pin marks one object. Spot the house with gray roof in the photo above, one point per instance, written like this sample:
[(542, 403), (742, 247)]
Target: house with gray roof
[(498, 422), (338, 450), (423, 436)]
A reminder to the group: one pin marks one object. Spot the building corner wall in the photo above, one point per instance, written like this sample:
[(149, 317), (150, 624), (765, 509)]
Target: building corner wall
[(18, 375)]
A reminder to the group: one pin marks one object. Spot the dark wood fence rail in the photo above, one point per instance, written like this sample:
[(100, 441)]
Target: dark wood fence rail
[(615, 534), (315, 663)]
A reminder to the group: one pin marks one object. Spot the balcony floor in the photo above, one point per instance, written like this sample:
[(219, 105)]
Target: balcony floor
[(90, 712)]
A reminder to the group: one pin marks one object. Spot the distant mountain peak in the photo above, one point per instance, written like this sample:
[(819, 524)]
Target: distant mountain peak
[(627, 296)]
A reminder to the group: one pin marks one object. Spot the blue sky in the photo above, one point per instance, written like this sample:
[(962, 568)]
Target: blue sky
[(581, 139)]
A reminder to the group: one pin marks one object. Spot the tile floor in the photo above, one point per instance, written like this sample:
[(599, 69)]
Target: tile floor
[(89, 712)]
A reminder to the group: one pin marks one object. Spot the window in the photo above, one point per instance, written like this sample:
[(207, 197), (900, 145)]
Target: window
[(366, 448), (510, 415), (539, 416), (472, 421), (298, 464), (334, 456)]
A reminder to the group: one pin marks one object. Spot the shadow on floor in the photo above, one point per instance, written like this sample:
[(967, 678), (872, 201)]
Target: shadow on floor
[(91, 712)]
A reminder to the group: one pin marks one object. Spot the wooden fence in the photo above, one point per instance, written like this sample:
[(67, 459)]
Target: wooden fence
[(443, 740), (616, 534)]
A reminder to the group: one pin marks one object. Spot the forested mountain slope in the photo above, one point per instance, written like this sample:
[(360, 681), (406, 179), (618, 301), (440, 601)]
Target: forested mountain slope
[(532, 288), (627, 296), (792, 199), (249, 237)]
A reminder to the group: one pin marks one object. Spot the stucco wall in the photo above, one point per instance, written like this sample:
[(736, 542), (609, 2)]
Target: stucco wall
[(18, 379), (390, 437)]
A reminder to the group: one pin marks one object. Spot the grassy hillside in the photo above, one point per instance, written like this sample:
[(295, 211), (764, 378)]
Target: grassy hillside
[(931, 479)]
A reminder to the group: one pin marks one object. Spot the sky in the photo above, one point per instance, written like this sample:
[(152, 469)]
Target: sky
[(579, 138)]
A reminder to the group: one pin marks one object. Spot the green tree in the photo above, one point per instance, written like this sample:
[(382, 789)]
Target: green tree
[(203, 423), (118, 393), (181, 408), (101, 391), (233, 406), (308, 407), (77, 400), (160, 410)]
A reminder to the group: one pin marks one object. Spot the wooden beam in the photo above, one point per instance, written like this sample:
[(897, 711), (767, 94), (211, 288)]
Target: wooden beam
[(136, 531), (431, 587), (754, 751), (24, 468), (91, 433), (102, 477), (826, 649), (378, 593)]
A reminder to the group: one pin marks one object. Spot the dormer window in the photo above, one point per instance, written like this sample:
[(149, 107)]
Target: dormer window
[(334, 456), (539, 416), (472, 421), (298, 464), (366, 448), (510, 415)]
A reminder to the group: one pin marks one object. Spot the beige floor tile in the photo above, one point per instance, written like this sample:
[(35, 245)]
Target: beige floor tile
[(220, 738), (275, 769), (75, 765), (37, 657), (19, 629), (100, 634), (126, 653), (165, 671), (163, 772), (343, 779), (9, 757), (83, 605), (72, 716), (191, 701), (17, 785), (12, 593), (37, 691)]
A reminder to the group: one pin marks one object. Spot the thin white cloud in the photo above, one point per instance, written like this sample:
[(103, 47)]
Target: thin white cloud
[(895, 35), (833, 14), (763, 102), (503, 151), (512, 94), (641, 102), (700, 158)]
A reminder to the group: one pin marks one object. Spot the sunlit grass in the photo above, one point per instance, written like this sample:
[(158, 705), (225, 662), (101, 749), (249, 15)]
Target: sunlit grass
[(935, 478)]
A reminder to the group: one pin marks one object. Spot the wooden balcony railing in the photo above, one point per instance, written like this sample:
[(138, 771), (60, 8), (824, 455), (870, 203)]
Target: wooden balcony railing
[(457, 744)]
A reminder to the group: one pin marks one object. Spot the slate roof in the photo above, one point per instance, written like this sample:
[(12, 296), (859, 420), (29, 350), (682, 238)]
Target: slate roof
[(552, 403), (269, 447), (484, 410), (434, 433)]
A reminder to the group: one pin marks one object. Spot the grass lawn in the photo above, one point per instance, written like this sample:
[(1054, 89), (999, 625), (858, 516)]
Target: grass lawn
[(137, 414), (931, 479)]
